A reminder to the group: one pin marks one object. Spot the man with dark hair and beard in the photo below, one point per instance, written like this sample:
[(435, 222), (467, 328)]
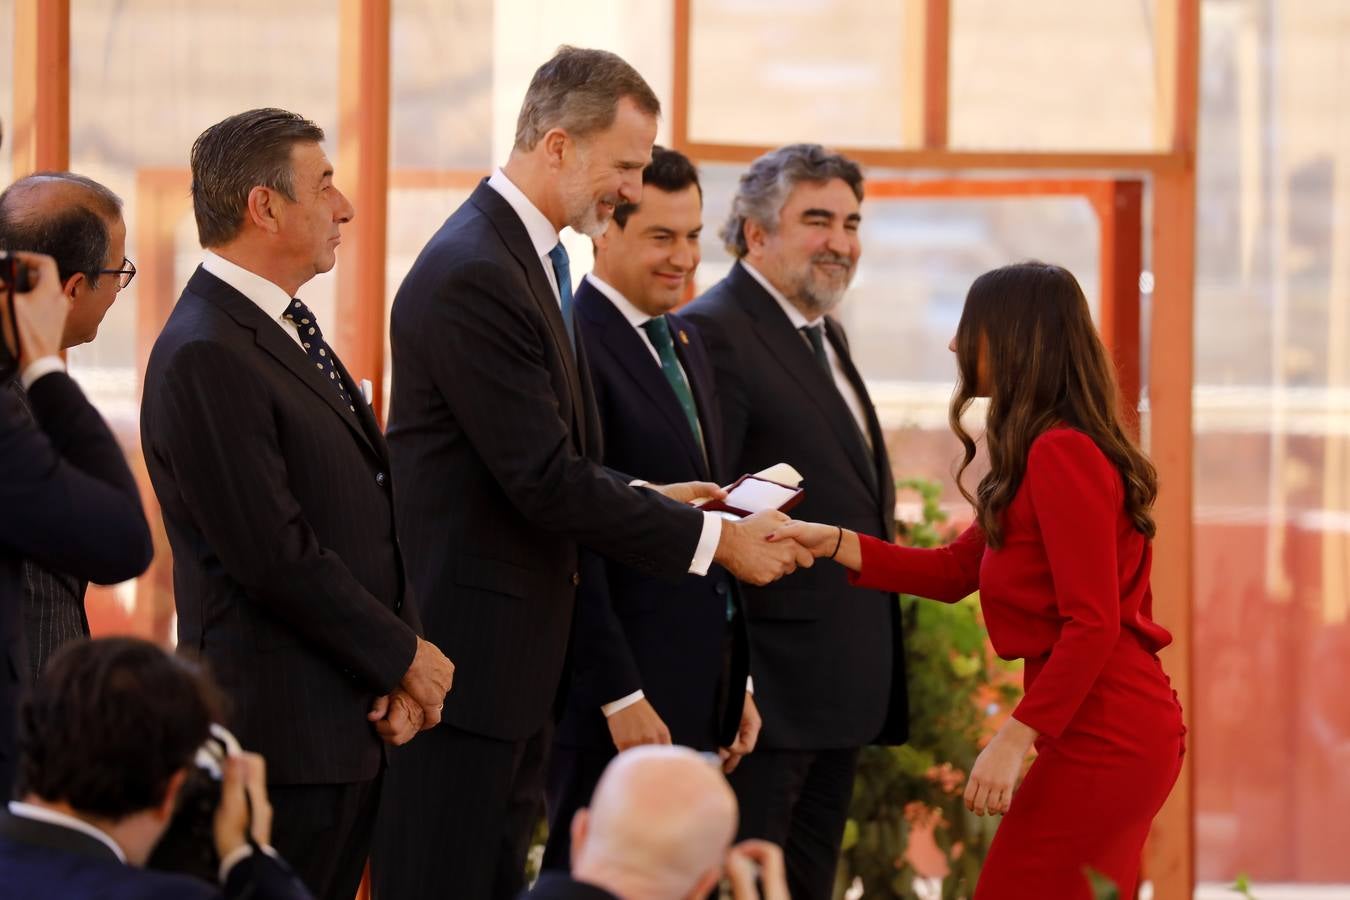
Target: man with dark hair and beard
[(827, 657)]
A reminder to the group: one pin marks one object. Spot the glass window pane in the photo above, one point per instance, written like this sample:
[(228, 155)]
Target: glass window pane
[(441, 84), (779, 71), (1052, 74), (1271, 627)]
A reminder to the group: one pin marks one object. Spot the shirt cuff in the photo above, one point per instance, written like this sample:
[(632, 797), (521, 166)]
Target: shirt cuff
[(749, 684), (638, 482), (39, 367), (622, 703), (707, 544)]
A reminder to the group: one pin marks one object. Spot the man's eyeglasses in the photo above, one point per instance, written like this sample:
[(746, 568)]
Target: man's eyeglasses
[(124, 274)]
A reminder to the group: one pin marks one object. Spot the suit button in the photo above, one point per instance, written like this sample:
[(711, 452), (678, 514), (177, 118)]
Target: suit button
[(380, 479), (576, 579), (721, 587)]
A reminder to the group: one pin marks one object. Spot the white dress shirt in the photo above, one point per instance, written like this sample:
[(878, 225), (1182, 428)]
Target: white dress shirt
[(799, 321), (544, 237), (269, 297), (43, 365)]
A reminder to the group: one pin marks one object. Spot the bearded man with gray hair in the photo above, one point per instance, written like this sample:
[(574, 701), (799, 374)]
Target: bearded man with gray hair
[(827, 657)]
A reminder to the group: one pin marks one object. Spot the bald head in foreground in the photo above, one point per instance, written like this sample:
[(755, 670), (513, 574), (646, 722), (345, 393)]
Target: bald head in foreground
[(660, 827)]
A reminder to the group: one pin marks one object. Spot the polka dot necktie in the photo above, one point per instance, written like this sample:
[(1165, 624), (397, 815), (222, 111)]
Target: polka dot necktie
[(316, 348)]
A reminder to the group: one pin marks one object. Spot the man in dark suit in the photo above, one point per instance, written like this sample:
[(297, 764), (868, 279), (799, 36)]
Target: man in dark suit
[(274, 482), (494, 429), (96, 795), (659, 828), (77, 222), (828, 659), (69, 500), (656, 661)]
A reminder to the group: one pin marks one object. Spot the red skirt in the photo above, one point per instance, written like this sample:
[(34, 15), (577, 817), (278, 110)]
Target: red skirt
[(1092, 793)]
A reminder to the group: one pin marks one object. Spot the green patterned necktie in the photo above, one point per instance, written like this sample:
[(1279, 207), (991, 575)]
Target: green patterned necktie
[(658, 330)]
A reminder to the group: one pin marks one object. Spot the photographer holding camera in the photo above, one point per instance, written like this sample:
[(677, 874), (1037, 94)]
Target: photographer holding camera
[(69, 500), (79, 224), (107, 742)]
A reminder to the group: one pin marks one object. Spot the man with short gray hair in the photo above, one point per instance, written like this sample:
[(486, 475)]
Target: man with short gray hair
[(828, 658), (493, 428), (78, 222), (273, 478)]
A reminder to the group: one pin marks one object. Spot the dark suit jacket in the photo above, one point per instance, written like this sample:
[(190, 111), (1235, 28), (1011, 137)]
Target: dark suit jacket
[(53, 602), (40, 859), (828, 658), (70, 503), (496, 446), (276, 499), (635, 631), (561, 886)]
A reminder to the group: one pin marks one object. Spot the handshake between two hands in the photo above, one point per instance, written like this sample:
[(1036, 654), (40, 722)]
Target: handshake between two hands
[(758, 549)]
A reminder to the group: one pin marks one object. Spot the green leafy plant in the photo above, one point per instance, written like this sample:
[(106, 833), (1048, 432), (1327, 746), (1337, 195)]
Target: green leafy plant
[(1103, 888), (907, 818)]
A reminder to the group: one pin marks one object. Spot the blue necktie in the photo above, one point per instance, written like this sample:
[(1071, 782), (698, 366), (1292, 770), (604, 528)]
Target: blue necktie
[(563, 271), (316, 348)]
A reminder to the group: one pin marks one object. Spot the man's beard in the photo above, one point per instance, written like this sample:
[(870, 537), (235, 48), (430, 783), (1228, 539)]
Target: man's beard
[(581, 206), (818, 293)]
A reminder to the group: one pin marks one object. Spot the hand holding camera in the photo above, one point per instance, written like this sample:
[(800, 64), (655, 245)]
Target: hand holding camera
[(35, 308), (244, 810)]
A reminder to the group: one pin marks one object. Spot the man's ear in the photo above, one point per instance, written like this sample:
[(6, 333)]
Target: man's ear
[(581, 824), (555, 144), (263, 208), (73, 284), (164, 811), (706, 883), (756, 235)]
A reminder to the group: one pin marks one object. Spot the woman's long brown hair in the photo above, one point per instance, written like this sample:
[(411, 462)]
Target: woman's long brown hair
[(1046, 367)]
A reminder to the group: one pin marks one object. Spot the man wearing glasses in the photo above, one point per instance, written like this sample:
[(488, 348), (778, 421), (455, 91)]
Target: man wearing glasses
[(78, 222)]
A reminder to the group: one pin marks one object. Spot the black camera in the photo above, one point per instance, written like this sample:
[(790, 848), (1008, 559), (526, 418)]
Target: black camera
[(17, 275), (188, 845)]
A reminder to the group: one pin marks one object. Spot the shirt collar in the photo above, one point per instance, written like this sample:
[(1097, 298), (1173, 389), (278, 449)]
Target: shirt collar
[(52, 817), (267, 295), (542, 234), (636, 317), (794, 314)]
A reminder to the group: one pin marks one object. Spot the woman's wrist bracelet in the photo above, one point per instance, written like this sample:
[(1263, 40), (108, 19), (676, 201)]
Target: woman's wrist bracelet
[(838, 542)]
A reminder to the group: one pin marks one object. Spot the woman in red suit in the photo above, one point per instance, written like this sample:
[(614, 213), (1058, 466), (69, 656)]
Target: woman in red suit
[(1060, 552)]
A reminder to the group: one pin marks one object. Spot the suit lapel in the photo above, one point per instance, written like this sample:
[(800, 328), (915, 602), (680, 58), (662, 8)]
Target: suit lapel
[(365, 414), (631, 351), (270, 337), (494, 206), (775, 330), (835, 335)]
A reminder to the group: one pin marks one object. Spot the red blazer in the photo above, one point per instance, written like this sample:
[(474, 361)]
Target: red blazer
[(1072, 574)]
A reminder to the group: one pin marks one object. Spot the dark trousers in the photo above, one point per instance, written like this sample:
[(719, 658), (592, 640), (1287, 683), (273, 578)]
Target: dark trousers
[(458, 814), (324, 832), (799, 800), (573, 773)]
